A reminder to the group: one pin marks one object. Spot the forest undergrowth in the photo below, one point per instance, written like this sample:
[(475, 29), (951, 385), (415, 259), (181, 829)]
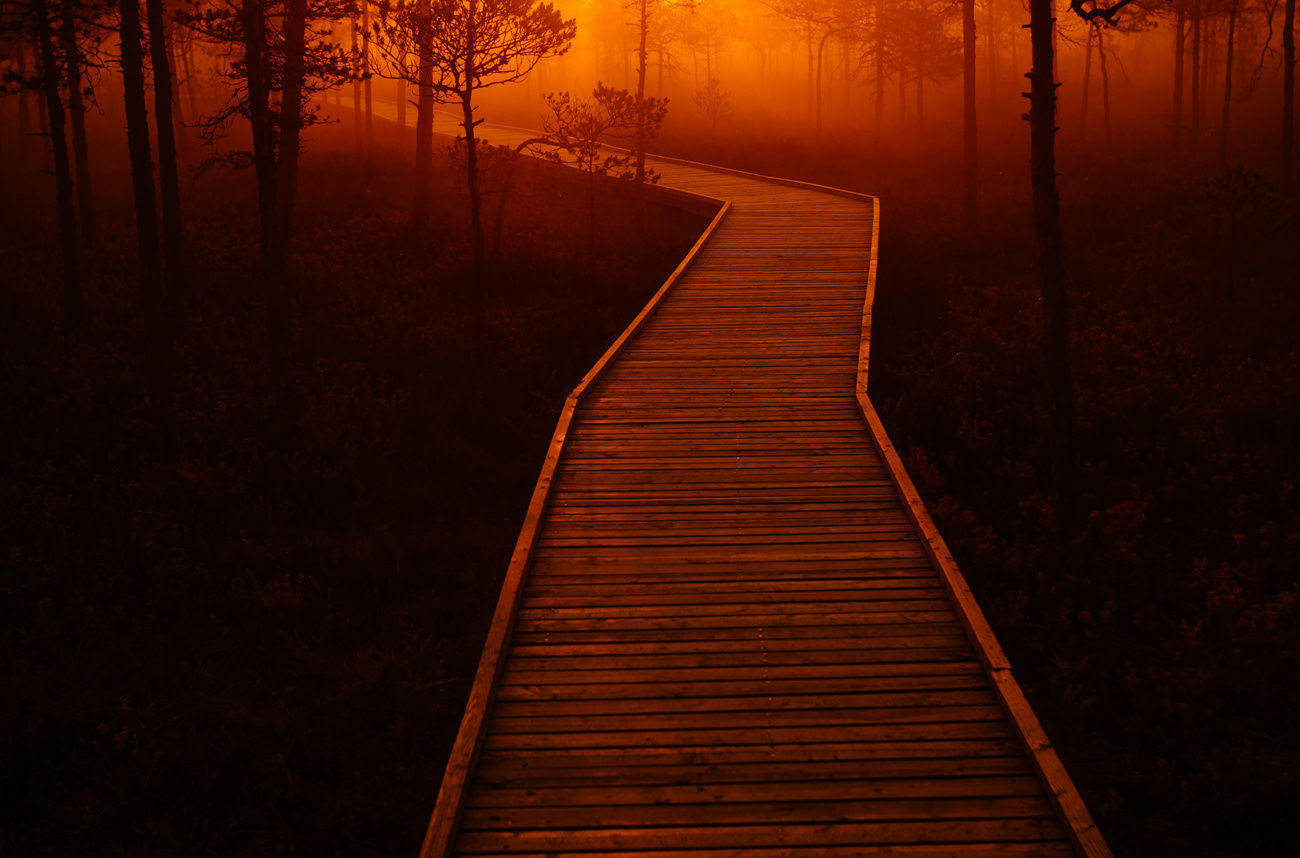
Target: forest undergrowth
[(264, 646)]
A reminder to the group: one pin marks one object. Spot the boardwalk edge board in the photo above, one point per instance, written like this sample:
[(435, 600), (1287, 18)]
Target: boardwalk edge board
[(451, 794), (1079, 824)]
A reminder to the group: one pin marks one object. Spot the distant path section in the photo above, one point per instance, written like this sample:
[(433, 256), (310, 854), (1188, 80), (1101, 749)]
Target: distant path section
[(729, 627)]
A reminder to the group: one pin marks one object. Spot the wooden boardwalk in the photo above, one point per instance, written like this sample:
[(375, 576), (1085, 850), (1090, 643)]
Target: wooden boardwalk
[(729, 627)]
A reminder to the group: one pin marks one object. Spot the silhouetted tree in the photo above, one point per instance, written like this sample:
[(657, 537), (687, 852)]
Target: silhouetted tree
[(74, 59), (1089, 40), (1226, 120), (817, 21), (157, 336), (168, 173), (1099, 33), (35, 22), (667, 27), (277, 69), (1137, 18), (358, 133), (19, 74), (579, 132), (576, 128), (878, 54), (1195, 14), (643, 18), (708, 29), (366, 84), (926, 48), (404, 42), (1180, 51), (1288, 93), (476, 44), (970, 147), (1051, 246), (714, 102), (1051, 250)]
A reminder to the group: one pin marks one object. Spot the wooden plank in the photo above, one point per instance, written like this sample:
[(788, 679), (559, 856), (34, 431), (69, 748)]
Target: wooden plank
[(520, 772), (760, 736), (1033, 849), (755, 703), (713, 813), (927, 680), (876, 789), (745, 836)]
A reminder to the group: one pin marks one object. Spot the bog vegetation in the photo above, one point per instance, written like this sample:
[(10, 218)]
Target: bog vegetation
[(283, 336)]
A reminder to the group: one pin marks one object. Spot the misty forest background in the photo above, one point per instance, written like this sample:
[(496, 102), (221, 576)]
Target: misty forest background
[(284, 336)]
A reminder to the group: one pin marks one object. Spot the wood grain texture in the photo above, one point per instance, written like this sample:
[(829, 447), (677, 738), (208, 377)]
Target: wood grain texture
[(730, 627)]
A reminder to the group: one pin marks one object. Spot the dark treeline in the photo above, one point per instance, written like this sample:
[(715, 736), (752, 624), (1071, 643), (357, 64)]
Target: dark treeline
[(267, 64), (251, 74)]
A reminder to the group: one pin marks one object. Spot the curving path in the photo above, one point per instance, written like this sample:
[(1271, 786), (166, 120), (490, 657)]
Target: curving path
[(729, 627)]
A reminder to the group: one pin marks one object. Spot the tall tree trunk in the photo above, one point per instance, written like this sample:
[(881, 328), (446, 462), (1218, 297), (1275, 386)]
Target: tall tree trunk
[(257, 71), (1288, 93), (357, 119), (187, 57), (43, 127), (811, 73), (1224, 124), (1207, 63), (991, 46), (475, 197), (920, 99), (879, 26), (77, 110), (365, 75), (63, 185), (845, 48), (643, 27), (168, 174), (591, 218), (623, 54), (174, 63), (1087, 81), (157, 340), (471, 163), (1051, 255), (970, 146), (1180, 44), (423, 125), (291, 100), (1105, 83), (821, 50), (24, 107), (1196, 81), (1015, 52)]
